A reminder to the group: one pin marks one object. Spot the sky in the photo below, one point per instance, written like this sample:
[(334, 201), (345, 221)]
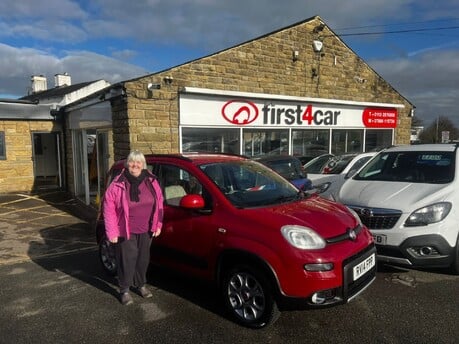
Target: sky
[(412, 44)]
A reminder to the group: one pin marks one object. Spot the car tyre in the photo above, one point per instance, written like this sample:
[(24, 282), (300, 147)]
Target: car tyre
[(249, 298), (107, 256)]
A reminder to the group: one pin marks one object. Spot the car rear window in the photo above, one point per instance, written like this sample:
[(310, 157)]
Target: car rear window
[(289, 168)]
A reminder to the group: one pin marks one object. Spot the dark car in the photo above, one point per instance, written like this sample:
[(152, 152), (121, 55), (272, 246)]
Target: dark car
[(288, 167), (234, 222)]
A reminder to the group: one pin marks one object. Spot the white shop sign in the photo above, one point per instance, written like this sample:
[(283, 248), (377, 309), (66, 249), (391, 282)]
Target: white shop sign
[(255, 110)]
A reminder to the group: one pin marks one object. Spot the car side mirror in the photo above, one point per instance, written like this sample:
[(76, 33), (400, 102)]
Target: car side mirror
[(192, 201)]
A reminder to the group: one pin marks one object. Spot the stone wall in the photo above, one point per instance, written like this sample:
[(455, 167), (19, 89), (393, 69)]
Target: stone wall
[(16, 172), (149, 121)]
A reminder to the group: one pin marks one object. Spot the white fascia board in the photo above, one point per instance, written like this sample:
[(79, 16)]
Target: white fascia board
[(207, 91), (25, 111)]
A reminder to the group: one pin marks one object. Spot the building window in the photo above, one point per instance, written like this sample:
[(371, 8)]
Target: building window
[(377, 139), (310, 143), (2, 146), (265, 141), (210, 140), (347, 141)]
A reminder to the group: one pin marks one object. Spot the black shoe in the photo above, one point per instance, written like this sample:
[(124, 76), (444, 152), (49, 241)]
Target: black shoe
[(126, 299), (144, 292)]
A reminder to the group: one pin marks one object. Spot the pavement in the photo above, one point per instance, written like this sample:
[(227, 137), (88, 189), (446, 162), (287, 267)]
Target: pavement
[(49, 223)]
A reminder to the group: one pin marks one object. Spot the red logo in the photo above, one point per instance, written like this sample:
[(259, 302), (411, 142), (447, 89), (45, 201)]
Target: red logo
[(379, 118), (240, 112)]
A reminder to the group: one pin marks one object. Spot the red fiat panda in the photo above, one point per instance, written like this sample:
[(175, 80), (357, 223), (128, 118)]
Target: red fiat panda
[(265, 244)]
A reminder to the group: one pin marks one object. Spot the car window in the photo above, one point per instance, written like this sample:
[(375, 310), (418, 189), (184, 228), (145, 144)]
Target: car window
[(249, 184), (337, 164), (289, 168), (357, 165), (416, 167), (317, 164), (176, 183)]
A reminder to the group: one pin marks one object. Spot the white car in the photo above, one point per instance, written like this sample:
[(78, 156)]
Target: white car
[(315, 166), (329, 185), (408, 196)]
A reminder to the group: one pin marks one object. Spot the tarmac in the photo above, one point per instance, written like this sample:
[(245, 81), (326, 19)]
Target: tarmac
[(45, 224)]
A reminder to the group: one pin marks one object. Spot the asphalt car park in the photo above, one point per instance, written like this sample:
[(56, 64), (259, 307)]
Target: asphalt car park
[(54, 290)]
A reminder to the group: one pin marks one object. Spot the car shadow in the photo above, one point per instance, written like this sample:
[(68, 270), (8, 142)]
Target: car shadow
[(72, 250), (201, 293)]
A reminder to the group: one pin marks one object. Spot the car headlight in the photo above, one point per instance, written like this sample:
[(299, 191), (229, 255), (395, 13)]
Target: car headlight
[(427, 215), (322, 187), (302, 237)]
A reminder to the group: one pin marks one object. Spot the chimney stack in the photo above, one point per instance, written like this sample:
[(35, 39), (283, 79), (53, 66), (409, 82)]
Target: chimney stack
[(62, 80), (39, 83)]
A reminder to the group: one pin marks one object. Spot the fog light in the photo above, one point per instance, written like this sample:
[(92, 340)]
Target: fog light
[(322, 296), (423, 251), (319, 267), (318, 298)]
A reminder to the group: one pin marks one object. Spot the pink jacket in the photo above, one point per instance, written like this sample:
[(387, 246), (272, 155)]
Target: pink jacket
[(116, 209)]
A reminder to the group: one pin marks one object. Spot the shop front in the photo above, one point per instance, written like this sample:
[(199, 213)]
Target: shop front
[(256, 124)]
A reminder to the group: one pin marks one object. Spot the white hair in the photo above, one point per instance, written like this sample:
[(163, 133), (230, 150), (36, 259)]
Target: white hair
[(136, 155)]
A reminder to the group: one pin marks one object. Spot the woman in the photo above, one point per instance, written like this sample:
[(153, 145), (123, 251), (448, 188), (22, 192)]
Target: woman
[(133, 213)]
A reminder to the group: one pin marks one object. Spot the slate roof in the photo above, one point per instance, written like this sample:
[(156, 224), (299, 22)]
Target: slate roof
[(59, 91)]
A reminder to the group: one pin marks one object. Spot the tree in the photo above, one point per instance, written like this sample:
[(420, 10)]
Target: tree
[(433, 133), (416, 122)]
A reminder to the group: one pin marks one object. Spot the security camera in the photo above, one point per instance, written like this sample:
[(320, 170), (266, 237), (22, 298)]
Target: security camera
[(317, 46), (152, 86)]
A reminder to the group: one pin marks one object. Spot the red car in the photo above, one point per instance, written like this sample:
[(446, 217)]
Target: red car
[(265, 244)]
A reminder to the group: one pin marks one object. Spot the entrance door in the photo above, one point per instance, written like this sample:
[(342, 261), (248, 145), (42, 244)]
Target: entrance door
[(46, 157), (91, 162)]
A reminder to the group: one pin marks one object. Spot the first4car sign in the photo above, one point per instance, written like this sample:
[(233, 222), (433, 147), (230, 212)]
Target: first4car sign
[(202, 110)]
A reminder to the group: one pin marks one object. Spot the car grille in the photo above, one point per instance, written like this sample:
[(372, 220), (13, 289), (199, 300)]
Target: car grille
[(377, 218)]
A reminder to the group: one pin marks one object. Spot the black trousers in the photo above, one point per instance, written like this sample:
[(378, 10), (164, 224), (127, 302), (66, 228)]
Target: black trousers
[(133, 258)]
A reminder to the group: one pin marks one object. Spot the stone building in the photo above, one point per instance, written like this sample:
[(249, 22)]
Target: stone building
[(303, 64), (31, 136), (299, 90)]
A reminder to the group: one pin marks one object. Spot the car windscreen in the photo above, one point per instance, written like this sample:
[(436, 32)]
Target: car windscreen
[(249, 183), (435, 167)]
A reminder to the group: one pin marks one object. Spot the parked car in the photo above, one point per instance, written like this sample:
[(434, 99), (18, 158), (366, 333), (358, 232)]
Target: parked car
[(266, 245), (329, 185), (315, 166), (408, 197), (338, 163), (288, 167)]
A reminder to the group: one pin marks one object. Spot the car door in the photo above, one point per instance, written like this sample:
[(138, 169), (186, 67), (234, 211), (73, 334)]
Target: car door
[(187, 239)]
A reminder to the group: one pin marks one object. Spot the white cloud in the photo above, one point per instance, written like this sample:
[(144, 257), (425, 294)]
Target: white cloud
[(17, 65), (63, 32), (429, 81), (28, 9)]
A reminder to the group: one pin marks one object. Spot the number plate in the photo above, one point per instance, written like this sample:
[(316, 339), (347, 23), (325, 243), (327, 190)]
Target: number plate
[(380, 239), (362, 268)]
